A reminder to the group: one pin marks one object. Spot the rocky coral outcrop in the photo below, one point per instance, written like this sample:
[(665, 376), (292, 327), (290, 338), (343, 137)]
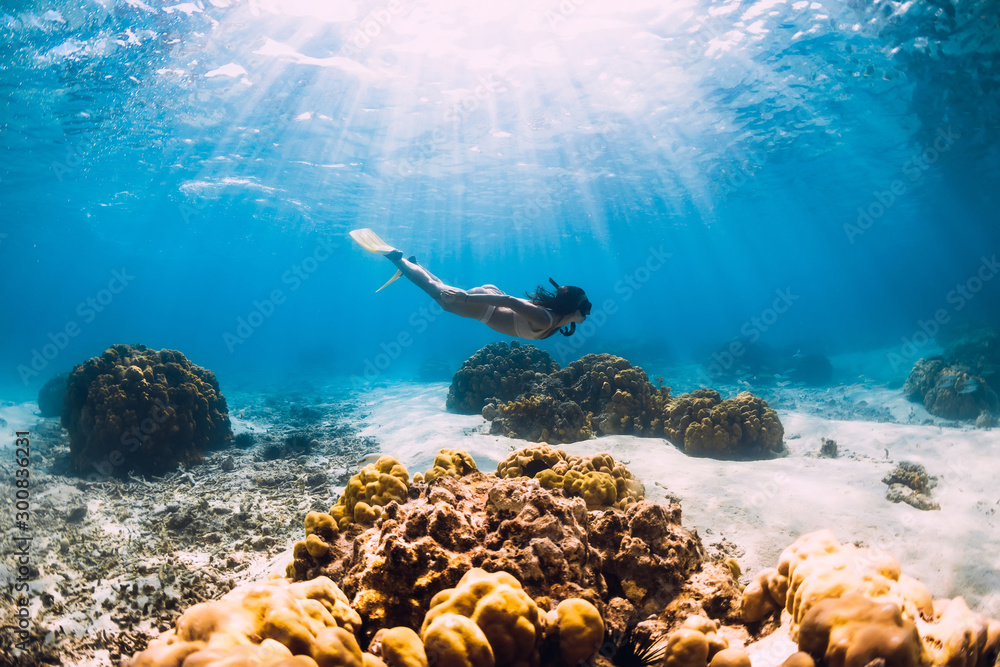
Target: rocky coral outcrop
[(955, 385), (137, 409), (262, 624), (601, 394), (846, 605), (599, 479), (500, 371), (640, 560), (909, 483)]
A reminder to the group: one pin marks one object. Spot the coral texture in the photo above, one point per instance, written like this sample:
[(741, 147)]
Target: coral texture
[(263, 624), (599, 480), (601, 394), (497, 370), (138, 409), (854, 631), (508, 618), (848, 606), (635, 561), (909, 483), (367, 492), (952, 390)]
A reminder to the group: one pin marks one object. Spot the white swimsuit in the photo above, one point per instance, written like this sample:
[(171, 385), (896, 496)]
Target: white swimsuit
[(490, 289)]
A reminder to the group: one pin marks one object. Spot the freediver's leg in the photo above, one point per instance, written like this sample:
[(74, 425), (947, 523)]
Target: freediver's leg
[(434, 287), (417, 274)]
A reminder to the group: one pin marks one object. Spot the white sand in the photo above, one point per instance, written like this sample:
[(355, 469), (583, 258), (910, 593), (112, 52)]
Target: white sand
[(16, 417), (762, 506)]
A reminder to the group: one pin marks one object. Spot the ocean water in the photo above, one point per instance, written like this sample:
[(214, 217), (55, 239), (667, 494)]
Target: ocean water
[(818, 176)]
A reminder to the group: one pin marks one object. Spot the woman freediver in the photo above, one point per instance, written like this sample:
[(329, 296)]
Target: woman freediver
[(539, 316)]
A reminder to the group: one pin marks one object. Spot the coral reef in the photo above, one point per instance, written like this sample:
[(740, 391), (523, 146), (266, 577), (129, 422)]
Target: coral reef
[(854, 631), (601, 394), (909, 483), (497, 371), (706, 425), (979, 350), (263, 624), (52, 394), (952, 390), (540, 419), (508, 618), (623, 562), (599, 480), (367, 492), (454, 462), (846, 605), (138, 409)]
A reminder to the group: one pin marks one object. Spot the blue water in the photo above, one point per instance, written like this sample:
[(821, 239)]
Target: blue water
[(168, 169)]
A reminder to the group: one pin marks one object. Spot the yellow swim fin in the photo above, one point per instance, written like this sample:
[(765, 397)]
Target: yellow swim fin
[(370, 241), (396, 276)]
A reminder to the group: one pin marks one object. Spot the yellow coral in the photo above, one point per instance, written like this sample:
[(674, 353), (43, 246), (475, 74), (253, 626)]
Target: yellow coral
[(764, 595), (376, 485), (598, 479), (956, 636), (730, 657), (453, 462), (686, 648), (710, 629), (336, 647), (854, 631), (697, 642), (498, 605), (402, 647), (261, 623), (817, 570), (456, 641), (581, 630)]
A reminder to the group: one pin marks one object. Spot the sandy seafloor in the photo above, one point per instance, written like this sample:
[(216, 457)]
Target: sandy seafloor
[(192, 535)]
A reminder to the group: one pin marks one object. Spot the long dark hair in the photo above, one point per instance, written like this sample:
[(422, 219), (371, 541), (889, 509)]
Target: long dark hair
[(566, 299)]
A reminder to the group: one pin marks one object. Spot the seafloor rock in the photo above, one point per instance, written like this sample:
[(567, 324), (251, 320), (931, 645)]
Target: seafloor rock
[(909, 483), (978, 350), (138, 409), (52, 394), (842, 598), (638, 561), (498, 370), (602, 394), (951, 390)]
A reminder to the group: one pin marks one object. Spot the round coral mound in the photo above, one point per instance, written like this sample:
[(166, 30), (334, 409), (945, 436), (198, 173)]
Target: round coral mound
[(497, 371), (136, 409)]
